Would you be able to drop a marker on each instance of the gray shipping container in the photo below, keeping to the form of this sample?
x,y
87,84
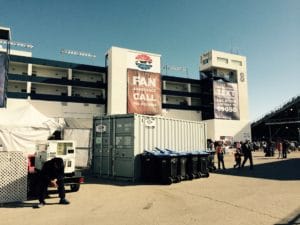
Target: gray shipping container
x,y
118,141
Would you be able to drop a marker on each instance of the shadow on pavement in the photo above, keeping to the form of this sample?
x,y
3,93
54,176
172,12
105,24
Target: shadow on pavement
x,y
90,179
293,219
287,169
16,205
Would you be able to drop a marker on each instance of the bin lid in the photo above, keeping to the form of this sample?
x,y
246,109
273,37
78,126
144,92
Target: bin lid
x,y
194,153
184,153
176,153
203,152
155,153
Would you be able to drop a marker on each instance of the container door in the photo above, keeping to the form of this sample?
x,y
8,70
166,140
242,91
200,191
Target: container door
x,y
102,155
123,147
124,167
102,166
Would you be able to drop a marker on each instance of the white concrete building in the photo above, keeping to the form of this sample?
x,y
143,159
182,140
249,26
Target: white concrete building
x,y
228,116
130,81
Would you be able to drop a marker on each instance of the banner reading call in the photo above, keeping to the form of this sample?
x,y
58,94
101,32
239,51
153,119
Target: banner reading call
x,y
143,92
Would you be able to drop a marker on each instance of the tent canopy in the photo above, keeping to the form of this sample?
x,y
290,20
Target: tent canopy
x,y
23,127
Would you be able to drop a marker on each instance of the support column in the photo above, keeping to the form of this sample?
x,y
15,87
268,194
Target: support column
x,y
29,72
70,76
189,99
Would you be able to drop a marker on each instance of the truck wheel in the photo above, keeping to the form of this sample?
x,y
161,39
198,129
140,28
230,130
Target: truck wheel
x,y
75,187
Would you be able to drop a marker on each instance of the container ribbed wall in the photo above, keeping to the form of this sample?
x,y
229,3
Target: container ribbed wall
x,y
162,132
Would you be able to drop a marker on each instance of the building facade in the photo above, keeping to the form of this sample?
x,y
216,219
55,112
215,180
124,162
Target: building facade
x,y
225,95
131,81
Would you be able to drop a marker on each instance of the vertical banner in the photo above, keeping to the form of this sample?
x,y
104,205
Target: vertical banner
x,y
226,101
3,65
144,92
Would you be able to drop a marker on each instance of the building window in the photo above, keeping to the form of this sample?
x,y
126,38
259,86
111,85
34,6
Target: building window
x,y
222,60
204,61
236,62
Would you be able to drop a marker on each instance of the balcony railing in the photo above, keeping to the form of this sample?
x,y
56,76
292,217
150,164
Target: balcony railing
x,y
21,95
182,106
64,98
57,64
56,81
181,93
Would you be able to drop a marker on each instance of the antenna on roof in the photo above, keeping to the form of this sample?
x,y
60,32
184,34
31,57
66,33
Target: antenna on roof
x,y
233,50
16,43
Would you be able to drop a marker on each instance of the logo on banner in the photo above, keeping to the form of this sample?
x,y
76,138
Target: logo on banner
x,y
143,61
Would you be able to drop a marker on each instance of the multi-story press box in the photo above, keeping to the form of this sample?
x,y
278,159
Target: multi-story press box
x,y
120,139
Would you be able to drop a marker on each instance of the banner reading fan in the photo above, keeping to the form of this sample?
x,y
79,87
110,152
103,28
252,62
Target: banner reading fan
x,y
144,92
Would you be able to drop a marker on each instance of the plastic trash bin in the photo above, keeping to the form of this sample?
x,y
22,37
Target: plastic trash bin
x,y
160,166
148,167
182,164
203,165
193,165
167,167
211,160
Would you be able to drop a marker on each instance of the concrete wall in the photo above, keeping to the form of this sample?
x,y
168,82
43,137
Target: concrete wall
x,y
119,60
182,114
61,110
239,130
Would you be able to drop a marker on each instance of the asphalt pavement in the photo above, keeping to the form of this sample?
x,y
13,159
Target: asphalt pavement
x,y
267,195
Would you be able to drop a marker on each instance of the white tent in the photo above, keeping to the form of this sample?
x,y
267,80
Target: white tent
x,y
22,127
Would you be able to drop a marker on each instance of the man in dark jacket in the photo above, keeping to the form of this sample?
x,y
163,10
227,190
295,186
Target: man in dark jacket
x,y
52,174
247,151
285,147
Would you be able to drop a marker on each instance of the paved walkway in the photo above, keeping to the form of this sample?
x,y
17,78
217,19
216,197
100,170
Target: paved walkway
x,y
268,195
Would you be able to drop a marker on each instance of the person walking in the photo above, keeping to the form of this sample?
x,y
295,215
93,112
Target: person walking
x,y
247,151
52,174
220,155
237,158
285,147
279,148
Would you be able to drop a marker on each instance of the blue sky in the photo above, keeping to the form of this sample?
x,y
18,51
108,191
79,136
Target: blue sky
x,y
267,32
